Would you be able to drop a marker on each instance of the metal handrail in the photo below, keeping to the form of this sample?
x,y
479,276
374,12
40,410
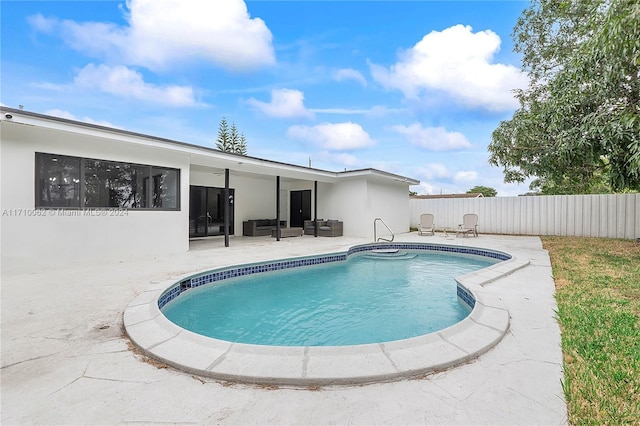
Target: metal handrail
x,y
375,239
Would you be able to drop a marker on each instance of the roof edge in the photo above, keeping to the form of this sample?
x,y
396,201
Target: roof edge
x,y
8,112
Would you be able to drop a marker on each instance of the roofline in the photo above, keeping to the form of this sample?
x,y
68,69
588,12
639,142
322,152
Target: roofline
x,y
396,177
347,173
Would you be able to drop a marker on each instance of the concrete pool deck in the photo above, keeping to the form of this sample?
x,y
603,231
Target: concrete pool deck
x,y
65,359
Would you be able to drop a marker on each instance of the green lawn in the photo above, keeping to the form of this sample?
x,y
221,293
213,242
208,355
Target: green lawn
x,y
598,294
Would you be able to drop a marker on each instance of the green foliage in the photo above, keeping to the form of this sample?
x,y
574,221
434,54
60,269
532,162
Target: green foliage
x,y
234,138
242,145
484,190
230,140
223,143
578,126
598,294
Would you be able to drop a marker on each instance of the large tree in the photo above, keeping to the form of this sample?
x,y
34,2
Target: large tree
x,y
578,126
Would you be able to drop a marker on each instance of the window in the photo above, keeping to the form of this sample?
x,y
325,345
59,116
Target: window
x,y
57,181
165,188
72,182
111,184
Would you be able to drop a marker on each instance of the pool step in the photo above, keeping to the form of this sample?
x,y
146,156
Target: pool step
x,y
385,251
390,254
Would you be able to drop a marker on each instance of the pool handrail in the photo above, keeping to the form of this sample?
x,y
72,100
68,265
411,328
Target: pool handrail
x,y
375,239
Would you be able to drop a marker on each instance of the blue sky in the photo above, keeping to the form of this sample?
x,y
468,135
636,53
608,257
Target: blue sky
x,y
409,87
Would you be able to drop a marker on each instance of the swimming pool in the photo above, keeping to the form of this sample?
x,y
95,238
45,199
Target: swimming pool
x,y
155,336
370,297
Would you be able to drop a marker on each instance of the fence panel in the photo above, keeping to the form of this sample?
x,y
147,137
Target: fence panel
x,y
607,215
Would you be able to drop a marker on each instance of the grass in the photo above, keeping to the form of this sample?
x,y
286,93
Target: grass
x,y
598,295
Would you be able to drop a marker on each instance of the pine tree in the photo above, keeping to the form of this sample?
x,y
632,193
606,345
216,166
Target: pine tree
x,y
223,142
230,140
234,139
242,146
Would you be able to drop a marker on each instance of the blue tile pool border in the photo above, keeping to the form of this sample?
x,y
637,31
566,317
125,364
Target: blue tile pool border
x,y
220,274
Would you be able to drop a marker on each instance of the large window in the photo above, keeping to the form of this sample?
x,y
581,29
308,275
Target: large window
x,y
72,182
57,181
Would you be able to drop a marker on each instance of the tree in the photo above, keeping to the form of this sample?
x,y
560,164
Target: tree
x,y
234,138
578,126
223,143
484,190
229,139
242,146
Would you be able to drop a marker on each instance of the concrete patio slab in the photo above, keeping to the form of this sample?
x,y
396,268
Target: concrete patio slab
x,y
65,359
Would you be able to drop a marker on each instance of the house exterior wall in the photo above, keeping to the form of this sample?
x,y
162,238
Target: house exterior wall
x,y
344,201
358,201
390,202
40,238
55,238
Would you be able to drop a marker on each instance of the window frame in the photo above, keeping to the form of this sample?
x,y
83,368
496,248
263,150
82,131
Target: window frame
x,y
148,196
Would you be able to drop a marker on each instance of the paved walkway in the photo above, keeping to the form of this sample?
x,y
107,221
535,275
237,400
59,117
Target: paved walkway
x,y
65,360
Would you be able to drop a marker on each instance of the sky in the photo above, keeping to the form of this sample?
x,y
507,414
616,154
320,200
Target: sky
x,y
409,87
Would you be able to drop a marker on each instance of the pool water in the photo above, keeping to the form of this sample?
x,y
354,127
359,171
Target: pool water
x,y
366,299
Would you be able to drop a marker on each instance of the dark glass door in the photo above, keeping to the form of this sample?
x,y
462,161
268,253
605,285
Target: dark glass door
x,y
300,207
206,211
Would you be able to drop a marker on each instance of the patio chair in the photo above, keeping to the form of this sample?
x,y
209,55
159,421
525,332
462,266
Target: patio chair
x,y
469,225
426,224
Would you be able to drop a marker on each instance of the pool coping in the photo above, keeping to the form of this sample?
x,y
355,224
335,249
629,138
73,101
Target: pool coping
x,y
157,337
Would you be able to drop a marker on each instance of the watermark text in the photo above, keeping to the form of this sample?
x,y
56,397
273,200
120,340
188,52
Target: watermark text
x,y
87,212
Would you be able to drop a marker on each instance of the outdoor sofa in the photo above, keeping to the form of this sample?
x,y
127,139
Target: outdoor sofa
x,y
260,227
326,228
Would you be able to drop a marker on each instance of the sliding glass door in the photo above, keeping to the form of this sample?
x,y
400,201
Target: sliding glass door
x,y
206,211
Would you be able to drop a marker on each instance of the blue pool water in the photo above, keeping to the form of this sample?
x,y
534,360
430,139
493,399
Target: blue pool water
x,y
366,299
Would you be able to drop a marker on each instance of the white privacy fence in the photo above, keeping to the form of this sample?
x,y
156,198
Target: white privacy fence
x,y
611,215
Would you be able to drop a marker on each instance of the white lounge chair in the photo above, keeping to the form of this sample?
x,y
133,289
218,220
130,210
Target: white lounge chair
x,y
469,225
426,224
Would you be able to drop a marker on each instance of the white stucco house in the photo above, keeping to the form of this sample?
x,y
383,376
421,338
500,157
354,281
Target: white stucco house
x,y
73,191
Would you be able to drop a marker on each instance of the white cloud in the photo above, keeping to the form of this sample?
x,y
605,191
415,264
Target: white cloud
x,y
335,137
66,114
284,103
433,138
162,33
124,82
375,111
42,24
350,74
339,111
465,176
382,111
423,188
458,62
433,171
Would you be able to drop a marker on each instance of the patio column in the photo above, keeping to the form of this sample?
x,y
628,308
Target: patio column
x,y
315,208
277,208
227,202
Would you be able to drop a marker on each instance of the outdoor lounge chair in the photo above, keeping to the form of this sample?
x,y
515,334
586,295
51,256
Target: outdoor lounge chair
x,y
469,225
426,224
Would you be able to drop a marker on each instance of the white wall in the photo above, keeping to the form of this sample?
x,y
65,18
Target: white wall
x,y
390,202
606,215
30,241
343,201
358,201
